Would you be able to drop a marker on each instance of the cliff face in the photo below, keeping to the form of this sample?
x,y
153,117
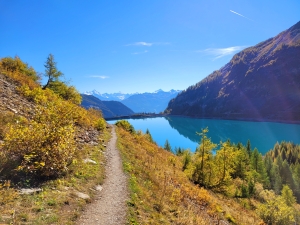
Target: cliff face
x,y
260,82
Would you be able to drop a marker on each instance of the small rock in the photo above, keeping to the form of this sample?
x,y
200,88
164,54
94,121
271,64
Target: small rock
x,y
99,188
28,191
82,195
89,161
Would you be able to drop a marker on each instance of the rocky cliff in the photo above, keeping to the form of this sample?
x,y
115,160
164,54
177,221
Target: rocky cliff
x,y
259,83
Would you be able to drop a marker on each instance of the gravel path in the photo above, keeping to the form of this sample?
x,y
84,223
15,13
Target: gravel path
x,y
109,207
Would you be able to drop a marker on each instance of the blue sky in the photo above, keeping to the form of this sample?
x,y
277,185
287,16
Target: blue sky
x,y
138,46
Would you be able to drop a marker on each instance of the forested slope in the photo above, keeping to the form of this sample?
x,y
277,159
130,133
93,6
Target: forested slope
x,y
220,184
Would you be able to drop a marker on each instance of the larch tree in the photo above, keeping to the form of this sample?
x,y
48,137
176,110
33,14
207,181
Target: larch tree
x,y
56,85
202,171
51,71
288,195
248,147
224,161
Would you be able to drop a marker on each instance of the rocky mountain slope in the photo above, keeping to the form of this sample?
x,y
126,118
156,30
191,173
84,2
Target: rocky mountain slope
x,y
108,108
259,83
11,101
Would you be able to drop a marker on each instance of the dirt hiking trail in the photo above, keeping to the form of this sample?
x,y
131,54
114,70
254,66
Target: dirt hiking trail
x,y
109,207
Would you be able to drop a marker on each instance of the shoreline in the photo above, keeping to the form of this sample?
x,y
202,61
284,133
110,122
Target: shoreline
x,y
153,115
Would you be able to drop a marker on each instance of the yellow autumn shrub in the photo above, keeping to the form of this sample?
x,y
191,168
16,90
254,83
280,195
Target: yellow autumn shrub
x,y
77,114
40,148
46,145
19,71
7,194
100,124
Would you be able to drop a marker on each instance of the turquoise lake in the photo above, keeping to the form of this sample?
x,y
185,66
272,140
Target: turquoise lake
x,y
181,131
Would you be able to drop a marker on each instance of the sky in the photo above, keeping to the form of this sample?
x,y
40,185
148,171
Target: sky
x,y
138,45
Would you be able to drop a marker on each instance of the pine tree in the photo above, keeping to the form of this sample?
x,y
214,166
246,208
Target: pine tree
x,y
254,159
239,145
276,181
149,136
248,147
259,167
241,162
167,146
287,176
268,164
186,159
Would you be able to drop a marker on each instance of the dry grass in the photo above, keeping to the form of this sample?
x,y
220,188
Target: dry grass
x,y
162,194
56,203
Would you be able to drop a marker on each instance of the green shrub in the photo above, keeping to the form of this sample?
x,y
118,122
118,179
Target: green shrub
x,y
66,92
125,125
101,124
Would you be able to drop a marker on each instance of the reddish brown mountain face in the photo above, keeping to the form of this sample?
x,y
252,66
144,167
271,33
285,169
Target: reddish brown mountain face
x,y
259,83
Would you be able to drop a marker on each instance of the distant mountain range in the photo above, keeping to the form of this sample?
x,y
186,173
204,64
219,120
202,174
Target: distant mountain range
x,y
155,102
109,97
108,108
150,102
259,83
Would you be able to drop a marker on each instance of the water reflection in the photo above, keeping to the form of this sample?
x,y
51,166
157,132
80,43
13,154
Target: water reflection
x,y
263,135
181,131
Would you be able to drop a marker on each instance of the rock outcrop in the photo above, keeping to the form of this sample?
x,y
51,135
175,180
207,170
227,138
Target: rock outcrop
x,y
11,100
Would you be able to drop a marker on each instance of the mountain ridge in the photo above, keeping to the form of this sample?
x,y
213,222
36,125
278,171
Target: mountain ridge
x,y
150,102
259,83
108,108
147,102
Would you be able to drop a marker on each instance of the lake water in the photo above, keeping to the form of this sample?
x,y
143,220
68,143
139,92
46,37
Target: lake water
x,y
181,131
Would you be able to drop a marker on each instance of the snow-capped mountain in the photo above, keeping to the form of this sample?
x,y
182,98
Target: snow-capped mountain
x,y
150,102
154,102
108,97
108,108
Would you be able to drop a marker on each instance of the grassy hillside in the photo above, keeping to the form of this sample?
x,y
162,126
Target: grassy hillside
x,y
45,139
161,192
